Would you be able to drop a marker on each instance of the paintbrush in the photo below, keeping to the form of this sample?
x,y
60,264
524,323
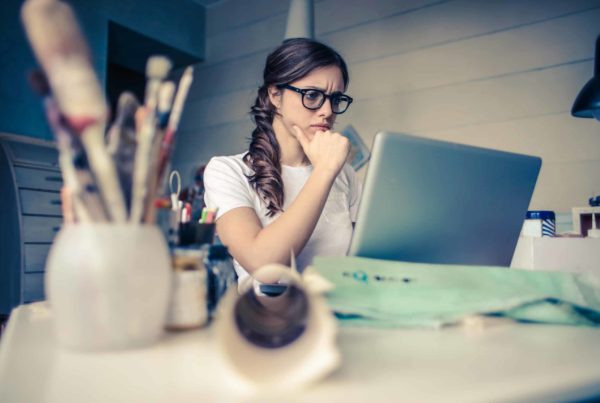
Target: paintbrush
x,y
60,48
174,117
157,69
165,99
77,176
165,102
122,142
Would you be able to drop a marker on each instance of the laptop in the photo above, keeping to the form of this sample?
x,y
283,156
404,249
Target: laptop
x,y
432,201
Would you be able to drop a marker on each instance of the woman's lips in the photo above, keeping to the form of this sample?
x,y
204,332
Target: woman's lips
x,y
320,127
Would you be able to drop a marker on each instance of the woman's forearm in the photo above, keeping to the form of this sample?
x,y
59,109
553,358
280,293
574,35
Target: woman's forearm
x,y
293,228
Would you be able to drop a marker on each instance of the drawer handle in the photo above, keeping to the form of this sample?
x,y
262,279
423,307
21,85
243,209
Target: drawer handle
x,y
55,229
55,202
54,178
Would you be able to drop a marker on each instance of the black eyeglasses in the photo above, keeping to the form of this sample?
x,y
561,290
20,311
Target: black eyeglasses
x,y
313,99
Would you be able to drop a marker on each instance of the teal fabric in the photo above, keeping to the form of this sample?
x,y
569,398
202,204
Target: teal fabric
x,y
370,292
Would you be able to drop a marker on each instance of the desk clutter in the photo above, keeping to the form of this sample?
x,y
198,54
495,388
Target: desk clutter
x,y
378,293
113,176
116,280
561,242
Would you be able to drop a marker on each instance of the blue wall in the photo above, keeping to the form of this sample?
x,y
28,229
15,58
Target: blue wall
x,y
178,24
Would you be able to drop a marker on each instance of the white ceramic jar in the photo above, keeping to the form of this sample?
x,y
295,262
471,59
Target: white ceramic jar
x,y
108,285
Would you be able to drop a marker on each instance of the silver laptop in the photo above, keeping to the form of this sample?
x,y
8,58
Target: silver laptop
x,y
437,202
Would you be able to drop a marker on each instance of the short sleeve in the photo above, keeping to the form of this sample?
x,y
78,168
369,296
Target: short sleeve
x,y
226,186
355,190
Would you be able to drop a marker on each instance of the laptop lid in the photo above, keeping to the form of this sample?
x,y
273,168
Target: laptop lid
x,y
431,201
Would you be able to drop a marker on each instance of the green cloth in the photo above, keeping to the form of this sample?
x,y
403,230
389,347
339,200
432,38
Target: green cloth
x,y
380,293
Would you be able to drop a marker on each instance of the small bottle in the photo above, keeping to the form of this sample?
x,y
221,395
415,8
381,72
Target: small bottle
x,y
540,224
221,275
188,307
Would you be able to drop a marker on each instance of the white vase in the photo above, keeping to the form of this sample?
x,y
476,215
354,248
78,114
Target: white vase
x,y
108,285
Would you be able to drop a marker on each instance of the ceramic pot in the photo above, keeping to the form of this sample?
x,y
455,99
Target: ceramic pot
x,y
108,285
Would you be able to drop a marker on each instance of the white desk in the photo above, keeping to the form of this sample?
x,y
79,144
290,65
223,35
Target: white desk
x,y
503,362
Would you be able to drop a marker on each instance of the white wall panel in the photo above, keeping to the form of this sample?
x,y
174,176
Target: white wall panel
x,y
446,23
225,139
339,15
561,186
557,137
495,73
238,42
218,109
525,48
237,14
228,76
477,102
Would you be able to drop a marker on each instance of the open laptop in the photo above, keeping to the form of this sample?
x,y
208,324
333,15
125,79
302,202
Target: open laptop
x,y
437,202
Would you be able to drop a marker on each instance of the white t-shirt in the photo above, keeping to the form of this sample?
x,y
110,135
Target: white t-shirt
x,y
227,187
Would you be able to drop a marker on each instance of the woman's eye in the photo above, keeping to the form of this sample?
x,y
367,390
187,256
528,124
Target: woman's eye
x,y
312,95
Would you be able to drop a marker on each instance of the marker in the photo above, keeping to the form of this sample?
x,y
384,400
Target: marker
x,y
203,215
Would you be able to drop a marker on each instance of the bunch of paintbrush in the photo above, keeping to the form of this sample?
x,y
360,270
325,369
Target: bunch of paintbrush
x,y
117,181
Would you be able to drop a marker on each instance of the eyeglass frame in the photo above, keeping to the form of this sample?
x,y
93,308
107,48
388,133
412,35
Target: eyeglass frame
x,y
303,91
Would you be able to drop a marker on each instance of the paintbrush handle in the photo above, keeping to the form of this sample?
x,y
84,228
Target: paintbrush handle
x,y
63,53
78,179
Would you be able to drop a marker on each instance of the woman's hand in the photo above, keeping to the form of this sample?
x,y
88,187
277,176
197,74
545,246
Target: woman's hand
x,y
327,151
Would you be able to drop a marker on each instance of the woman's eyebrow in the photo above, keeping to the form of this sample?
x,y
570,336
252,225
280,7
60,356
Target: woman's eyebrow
x,y
314,87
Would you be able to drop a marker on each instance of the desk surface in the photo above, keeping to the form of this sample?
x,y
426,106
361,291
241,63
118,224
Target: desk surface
x,y
501,362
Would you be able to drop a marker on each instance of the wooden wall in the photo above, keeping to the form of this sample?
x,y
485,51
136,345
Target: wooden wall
x,y
495,73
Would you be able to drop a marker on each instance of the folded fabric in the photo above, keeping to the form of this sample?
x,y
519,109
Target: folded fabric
x,y
381,293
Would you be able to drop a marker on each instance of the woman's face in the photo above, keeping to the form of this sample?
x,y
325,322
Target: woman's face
x,y
289,105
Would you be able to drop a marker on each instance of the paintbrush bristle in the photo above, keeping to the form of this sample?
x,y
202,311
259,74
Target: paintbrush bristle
x,y
158,67
188,72
127,104
38,82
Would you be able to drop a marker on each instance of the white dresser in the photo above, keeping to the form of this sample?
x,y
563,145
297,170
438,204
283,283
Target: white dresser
x,y
30,216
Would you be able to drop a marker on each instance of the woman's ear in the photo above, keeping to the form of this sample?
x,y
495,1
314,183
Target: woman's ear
x,y
275,96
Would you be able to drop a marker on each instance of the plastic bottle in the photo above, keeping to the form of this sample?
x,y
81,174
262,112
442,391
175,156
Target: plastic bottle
x,y
221,275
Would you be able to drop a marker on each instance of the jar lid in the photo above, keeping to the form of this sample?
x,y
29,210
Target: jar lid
x,y
193,251
541,215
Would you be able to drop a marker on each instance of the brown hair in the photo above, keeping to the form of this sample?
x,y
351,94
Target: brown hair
x,y
291,61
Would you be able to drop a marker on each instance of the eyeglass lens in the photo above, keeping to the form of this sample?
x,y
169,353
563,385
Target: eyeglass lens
x,y
314,99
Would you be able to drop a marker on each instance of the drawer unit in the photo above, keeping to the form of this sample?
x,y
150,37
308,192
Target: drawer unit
x,y
28,152
40,229
35,257
33,287
41,179
30,217
40,202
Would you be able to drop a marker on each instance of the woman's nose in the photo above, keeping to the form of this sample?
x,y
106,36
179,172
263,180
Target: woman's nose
x,y
326,109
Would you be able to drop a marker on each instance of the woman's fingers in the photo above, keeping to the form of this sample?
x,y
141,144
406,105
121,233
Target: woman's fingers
x,y
326,150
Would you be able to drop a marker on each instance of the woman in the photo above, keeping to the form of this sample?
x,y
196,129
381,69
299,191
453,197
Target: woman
x,y
291,191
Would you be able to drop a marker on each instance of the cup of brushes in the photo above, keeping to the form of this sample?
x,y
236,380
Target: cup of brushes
x,y
108,272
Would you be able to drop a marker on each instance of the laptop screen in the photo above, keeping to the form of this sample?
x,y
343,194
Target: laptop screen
x,y
431,201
